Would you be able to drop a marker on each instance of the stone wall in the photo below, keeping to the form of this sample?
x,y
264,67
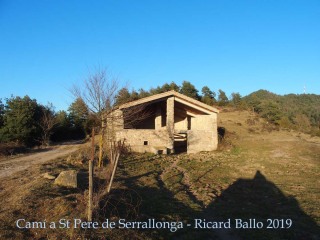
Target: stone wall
x,y
180,123
203,135
158,118
202,140
204,122
144,140
170,122
113,123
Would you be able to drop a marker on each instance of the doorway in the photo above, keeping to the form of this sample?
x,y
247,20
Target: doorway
x,y
180,142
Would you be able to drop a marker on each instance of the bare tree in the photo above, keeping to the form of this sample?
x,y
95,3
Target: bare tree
x,y
99,93
47,123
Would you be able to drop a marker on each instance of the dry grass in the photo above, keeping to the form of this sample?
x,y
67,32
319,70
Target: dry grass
x,y
28,195
258,172
261,173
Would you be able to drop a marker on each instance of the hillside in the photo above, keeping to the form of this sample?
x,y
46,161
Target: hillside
x,y
295,111
260,172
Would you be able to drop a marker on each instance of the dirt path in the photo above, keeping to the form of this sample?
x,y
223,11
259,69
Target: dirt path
x,y
13,165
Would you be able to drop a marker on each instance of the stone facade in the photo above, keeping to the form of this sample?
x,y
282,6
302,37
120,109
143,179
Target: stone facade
x,y
145,140
170,123
203,135
176,123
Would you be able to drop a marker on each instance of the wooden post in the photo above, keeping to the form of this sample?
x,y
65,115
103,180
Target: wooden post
x,y
90,204
117,150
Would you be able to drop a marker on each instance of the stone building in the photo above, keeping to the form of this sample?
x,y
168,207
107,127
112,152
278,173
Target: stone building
x,y
172,122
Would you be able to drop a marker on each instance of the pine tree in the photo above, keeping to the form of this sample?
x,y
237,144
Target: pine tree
x,y
189,90
20,118
123,96
174,86
1,113
208,96
78,118
142,93
78,113
235,99
222,98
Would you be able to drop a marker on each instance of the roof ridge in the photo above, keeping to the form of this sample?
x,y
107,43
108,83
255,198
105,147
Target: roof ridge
x,y
167,94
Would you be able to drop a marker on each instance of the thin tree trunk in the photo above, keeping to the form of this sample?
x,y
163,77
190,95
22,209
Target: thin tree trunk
x,y
100,151
101,143
90,203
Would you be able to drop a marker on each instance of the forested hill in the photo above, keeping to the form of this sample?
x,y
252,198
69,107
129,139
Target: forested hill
x,y
24,121
299,111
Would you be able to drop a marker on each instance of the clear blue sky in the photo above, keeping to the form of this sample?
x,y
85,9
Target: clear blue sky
x,y
236,46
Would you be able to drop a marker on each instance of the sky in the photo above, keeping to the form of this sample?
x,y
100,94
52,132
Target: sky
x,y
238,46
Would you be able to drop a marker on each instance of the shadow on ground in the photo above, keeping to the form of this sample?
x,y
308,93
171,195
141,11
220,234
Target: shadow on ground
x,y
249,200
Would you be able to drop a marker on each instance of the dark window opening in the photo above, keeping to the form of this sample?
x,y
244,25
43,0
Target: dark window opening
x,y
145,142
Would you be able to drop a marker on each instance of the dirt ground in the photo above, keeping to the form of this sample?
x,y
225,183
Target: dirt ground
x,y
11,165
26,194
